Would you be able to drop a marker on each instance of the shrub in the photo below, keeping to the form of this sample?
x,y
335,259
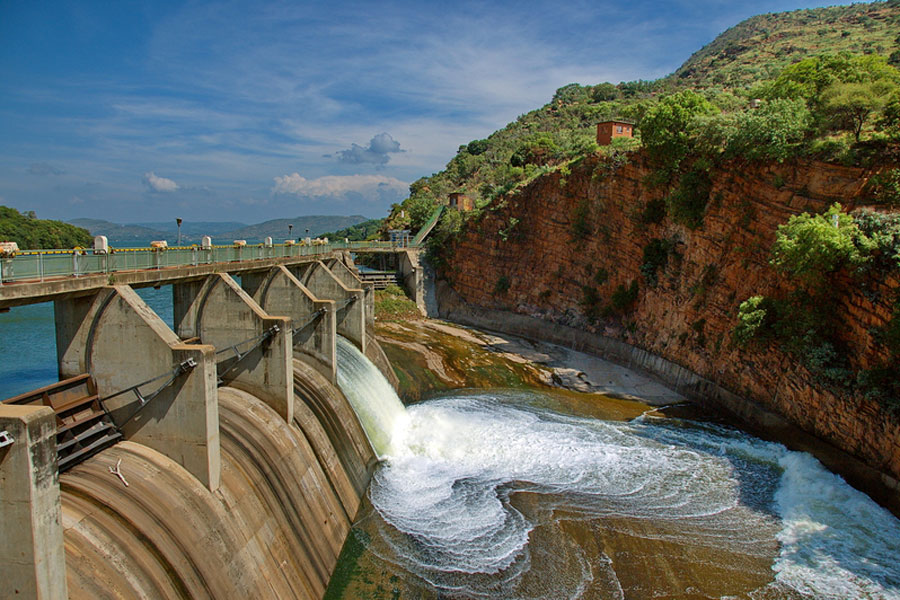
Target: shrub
x,y
688,202
623,298
884,187
755,318
656,256
502,285
665,127
811,247
773,131
654,211
581,227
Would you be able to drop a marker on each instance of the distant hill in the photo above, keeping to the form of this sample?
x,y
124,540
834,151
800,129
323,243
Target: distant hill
x,y
759,47
31,233
194,229
277,229
114,231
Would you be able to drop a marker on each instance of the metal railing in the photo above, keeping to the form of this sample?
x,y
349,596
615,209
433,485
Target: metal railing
x,y
41,265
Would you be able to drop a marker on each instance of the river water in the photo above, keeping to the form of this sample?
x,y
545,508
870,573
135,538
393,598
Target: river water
x,y
511,494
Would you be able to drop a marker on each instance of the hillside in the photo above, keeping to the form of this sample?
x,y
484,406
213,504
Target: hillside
x,y
114,231
738,66
32,233
278,229
761,46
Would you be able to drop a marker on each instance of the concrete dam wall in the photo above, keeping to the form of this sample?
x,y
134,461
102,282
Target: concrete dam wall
x,y
273,529
218,459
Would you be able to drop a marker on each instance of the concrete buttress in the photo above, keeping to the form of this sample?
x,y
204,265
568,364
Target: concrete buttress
x,y
279,292
122,343
32,558
351,310
254,349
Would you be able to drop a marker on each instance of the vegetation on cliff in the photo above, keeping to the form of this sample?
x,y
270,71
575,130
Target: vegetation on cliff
x,y
820,253
791,88
818,82
29,232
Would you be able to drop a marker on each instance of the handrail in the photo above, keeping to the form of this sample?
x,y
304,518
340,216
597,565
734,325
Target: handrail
x,y
42,265
428,226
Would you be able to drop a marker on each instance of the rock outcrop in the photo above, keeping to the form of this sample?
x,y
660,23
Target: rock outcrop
x,y
560,248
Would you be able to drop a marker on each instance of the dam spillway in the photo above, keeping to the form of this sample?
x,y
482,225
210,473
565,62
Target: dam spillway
x,y
242,464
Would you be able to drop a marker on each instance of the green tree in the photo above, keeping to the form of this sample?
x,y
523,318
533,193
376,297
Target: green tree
x,y
812,247
665,127
773,131
849,105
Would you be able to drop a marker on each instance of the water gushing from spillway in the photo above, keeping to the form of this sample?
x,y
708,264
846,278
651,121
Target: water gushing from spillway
x,y
489,495
482,496
373,399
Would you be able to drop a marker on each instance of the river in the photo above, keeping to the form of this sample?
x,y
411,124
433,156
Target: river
x,y
535,492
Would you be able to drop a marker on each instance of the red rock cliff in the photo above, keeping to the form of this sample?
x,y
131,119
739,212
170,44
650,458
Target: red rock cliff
x,y
521,257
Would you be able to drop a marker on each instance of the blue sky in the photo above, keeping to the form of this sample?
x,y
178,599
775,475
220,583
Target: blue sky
x,y
248,111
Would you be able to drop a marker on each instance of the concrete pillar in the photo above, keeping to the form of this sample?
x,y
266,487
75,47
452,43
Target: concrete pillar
x,y
281,293
350,303
184,295
32,557
413,276
225,316
351,280
121,342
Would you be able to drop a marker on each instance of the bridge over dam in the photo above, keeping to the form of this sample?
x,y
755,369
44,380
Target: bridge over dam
x,y
218,458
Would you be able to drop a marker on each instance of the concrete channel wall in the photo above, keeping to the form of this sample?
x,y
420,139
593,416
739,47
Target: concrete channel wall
x,y
240,478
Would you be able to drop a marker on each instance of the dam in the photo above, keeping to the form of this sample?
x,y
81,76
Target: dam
x,y
477,493
216,459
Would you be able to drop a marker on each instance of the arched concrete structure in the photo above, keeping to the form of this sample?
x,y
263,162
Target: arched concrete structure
x,y
239,478
278,291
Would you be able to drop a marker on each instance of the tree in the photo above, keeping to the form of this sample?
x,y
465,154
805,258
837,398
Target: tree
x,y
665,127
772,131
812,247
849,105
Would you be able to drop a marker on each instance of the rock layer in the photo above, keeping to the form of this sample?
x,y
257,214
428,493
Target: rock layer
x,y
540,251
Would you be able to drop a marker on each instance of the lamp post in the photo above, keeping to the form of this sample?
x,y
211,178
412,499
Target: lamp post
x,y
290,229
178,222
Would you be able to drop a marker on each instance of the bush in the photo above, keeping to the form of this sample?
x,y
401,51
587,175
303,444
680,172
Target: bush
x,y
688,202
656,256
502,285
773,131
623,298
755,318
654,211
811,247
884,188
665,127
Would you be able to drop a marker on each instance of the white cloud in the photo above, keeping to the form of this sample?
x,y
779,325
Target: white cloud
x,y
159,184
376,153
370,187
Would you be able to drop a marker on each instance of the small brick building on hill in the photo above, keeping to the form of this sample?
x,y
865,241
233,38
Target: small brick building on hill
x,y
607,130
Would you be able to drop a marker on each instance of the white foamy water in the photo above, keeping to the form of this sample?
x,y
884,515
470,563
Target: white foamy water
x,y
447,496
373,399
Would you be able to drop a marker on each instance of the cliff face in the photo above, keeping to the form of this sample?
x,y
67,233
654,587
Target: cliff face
x,y
560,248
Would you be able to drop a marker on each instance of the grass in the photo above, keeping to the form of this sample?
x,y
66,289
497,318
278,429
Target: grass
x,y
392,304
